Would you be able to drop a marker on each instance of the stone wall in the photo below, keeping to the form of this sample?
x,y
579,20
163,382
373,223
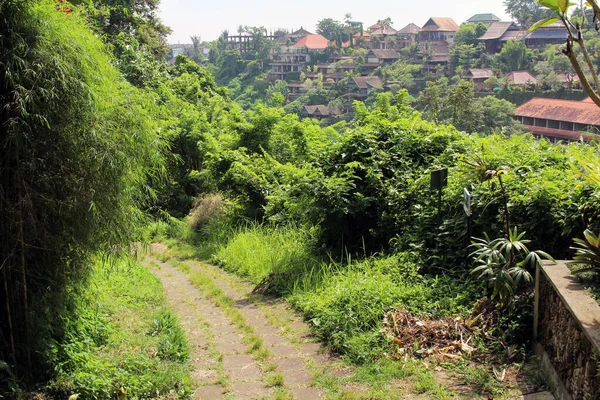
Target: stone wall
x,y
568,332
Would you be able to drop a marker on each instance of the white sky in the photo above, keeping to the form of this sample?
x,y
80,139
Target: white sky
x,y
208,18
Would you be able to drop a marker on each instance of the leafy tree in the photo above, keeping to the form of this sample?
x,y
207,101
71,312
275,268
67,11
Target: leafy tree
x,y
466,56
330,28
465,110
432,99
576,49
134,18
514,56
196,43
496,114
526,12
468,34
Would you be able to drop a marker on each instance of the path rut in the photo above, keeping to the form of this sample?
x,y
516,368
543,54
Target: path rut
x,y
224,362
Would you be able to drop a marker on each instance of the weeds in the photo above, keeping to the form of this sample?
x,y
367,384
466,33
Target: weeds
x,y
122,323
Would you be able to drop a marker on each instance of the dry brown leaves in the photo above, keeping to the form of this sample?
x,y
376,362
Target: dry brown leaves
x,y
448,337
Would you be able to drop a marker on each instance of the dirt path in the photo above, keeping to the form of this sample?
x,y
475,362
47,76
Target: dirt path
x,y
244,346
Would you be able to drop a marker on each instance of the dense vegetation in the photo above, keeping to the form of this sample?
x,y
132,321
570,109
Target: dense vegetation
x,y
341,218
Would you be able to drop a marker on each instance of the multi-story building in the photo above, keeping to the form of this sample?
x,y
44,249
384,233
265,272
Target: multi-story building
x,y
293,59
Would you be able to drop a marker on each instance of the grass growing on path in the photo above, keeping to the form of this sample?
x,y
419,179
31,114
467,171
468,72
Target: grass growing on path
x,y
124,339
345,304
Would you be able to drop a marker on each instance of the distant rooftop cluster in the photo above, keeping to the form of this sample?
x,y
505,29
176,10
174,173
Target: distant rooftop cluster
x,y
303,57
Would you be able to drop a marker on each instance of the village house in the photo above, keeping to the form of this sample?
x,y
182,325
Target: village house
x,y
437,35
382,33
545,35
564,120
290,59
319,111
520,78
499,33
486,19
382,56
408,35
379,57
296,89
294,37
293,59
478,76
364,85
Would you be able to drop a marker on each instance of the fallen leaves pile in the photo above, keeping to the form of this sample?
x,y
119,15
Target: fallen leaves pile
x,y
448,337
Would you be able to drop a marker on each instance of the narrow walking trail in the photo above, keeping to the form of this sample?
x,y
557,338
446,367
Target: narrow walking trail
x,y
243,346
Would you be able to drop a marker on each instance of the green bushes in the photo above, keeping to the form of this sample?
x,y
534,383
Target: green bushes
x,y
347,308
77,147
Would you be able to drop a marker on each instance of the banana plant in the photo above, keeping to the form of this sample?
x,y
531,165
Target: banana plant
x,y
505,262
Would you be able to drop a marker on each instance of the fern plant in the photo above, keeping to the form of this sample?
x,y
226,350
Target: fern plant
x,y
503,262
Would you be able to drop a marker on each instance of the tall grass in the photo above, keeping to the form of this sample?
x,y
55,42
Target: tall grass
x,y
124,339
344,302
285,254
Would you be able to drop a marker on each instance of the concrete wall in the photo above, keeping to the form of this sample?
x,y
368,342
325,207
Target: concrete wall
x,y
567,332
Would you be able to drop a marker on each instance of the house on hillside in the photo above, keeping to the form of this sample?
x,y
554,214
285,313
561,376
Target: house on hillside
x,y
313,43
293,59
289,60
364,85
486,19
382,33
545,35
564,120
294,37
439,34
520,78
499,33
382,56
408,35
319,111
379,57
478,76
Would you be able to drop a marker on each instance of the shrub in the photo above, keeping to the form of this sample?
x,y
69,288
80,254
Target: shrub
x,y
76,149
205,209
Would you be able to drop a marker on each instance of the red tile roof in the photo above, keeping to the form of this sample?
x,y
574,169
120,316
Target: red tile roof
x,y
313,42
579,112
440,24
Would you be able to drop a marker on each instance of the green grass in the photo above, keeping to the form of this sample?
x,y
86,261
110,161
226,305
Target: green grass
x,y
344,304
123,337
255,344
258,251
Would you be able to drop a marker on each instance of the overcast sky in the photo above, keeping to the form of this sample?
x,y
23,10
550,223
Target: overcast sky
x,y
209,18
